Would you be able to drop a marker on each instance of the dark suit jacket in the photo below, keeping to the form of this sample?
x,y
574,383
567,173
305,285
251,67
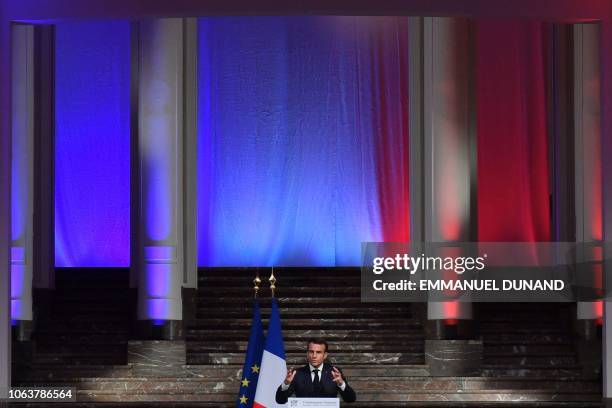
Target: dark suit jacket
x,y
301,386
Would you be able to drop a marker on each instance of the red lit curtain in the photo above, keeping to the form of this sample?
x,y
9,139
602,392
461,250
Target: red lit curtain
x,y
513,172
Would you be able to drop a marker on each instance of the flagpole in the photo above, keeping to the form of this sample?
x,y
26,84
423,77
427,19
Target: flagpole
x,y
273,360
254,354
272,281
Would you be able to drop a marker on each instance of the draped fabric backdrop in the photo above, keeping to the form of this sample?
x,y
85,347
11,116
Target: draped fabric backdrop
x,y
303,139
92,156
513,172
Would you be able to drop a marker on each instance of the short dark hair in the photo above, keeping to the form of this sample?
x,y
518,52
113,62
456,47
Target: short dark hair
x,y
317,340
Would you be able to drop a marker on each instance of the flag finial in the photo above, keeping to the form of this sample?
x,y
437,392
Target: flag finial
x,y
272,281
256,283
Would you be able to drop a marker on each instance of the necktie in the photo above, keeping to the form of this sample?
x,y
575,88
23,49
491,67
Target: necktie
x,y
316,382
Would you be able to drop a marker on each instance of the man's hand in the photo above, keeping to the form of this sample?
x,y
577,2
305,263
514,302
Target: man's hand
x,y
290,374
337,377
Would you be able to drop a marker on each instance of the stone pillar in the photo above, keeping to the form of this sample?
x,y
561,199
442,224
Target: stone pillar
x,y
44,159
5,209
588,153
163,166
32,181
606,142
607,344
442,140
22,165
561,134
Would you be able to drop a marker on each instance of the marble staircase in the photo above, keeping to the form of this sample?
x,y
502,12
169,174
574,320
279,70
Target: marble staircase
x,y
314,303
529,360
528,340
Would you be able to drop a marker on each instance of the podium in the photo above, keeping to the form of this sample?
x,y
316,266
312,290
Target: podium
x,y
313,403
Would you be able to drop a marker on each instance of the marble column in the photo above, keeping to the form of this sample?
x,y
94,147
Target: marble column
x,y
44,160
606,141
442,140
607,344
165,249
5,205
22,166
588,153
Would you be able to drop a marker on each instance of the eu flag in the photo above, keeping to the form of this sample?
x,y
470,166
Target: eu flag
x,y
252,362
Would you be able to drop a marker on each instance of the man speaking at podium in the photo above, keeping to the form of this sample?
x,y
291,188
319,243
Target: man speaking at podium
x,y
315,380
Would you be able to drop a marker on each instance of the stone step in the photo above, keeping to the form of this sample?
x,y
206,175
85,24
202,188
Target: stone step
x,y
513,396
94,312
60,305
298,358
526,338
46,372
109,283
219,372
75,301
92,339
289,334
492,350
307,323
496,307
561,373
279,272
80,317
524,327
294,291
90,295
63,327
461,404
216,348
288,302
93,284
289,312
247,281
518,317
109,348
532,361
300,346
369,404
172,384
66,359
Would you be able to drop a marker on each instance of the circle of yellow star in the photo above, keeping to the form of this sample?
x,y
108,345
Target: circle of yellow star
x,y
255,369
243,400
245,383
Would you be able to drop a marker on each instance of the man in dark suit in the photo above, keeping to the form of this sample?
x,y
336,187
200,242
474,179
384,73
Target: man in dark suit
x,y
315,380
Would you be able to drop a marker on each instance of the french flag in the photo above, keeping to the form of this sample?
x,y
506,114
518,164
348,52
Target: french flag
x,y
273,365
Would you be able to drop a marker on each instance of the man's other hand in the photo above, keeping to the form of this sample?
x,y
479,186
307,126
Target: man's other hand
x,y
290,374
337,377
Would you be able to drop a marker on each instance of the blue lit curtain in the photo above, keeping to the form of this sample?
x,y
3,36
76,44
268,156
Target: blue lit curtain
x,y
92,157
303,141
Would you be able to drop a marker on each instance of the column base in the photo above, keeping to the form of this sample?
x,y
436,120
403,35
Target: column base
x,y
588,346
22,354
450,358
587,329
162,330
450,329
22,330
190,303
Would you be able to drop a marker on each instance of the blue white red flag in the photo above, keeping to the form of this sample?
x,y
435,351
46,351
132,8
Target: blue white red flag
x,y
273,364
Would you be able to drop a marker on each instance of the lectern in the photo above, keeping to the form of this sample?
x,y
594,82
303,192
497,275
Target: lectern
x,y
313,403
